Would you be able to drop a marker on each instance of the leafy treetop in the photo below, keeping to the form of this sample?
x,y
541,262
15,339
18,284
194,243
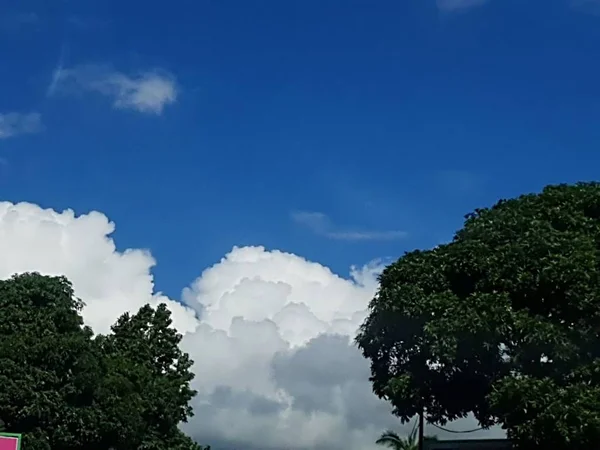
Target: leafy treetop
x,y
65,389
503,322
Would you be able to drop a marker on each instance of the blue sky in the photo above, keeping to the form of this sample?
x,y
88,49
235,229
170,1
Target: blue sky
x,y
339,130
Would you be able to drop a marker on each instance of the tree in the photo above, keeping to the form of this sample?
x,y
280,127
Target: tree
x,y
503,322
65,389
392,440
48,364
148,388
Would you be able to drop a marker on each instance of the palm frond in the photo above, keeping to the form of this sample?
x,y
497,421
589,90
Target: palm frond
x,y
390,439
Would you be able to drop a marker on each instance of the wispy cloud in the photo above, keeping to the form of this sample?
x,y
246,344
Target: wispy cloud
x,y
86,23
15,21
457,5
58,71
459,181
13,124
146,92
586,6
319,223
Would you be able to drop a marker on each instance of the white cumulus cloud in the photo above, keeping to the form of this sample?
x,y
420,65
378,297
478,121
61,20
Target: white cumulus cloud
x,y
13,124
147,92
52,243
270,332
275,365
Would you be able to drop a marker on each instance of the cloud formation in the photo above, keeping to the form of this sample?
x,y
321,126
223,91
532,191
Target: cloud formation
x,y
456,5
13,124
586,6
15,21
146,92
55,243
319,223
454,181
270,332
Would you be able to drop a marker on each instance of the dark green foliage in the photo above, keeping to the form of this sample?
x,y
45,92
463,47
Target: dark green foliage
x,y
147,388
503,322
48,363
66,390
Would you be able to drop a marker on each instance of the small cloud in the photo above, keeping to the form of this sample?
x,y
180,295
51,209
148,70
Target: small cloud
x,y
457,5
13,124
322,225
11,22
586,6
368,235
86,23
146,92
459,181
57,73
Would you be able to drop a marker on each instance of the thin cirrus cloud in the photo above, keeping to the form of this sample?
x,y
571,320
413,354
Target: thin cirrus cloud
x,y
14,124
16,21
147,92
320,224
457,5
456,181
586,6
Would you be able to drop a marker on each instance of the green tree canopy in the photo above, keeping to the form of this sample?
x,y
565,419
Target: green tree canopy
x,y
65,389
147,387
503,322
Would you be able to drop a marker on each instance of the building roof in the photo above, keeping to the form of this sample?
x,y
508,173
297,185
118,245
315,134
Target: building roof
x,y
468,444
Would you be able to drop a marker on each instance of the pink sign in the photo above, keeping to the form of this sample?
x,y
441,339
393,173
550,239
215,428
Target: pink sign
x,y
9,441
